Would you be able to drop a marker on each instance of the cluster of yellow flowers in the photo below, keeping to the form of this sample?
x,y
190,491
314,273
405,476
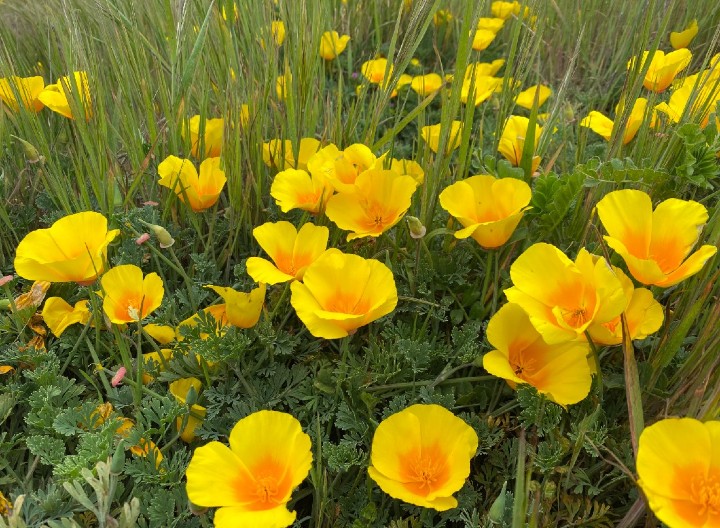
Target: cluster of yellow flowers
x,y
31,94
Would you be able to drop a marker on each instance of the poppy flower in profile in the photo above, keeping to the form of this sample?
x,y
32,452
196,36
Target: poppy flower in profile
x,y
179,389
291,251
408,167
682,39
209,142
678,465
431,134
341,292
332,44
282,155
488,208
73,249
277,29
241,309
252,480
374,70
60,97
560,371
603,126
655,245
424,85
512,141
482,39
22,91
128,296
663,68
421,455
378,202
296,189
199,191
491,24
479,88
58,314
526,98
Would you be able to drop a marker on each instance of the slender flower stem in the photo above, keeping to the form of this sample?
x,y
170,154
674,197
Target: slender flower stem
x,y
596,360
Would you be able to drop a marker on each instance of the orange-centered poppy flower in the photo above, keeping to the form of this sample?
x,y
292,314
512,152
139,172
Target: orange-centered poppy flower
x,y
61,97
512,141
663,68
489,209
198,191
655,245
296,189
560,371
678,465
252,480
421,455
128,296
342,167
561,297
241,309
341,293
374,70
291,251
424,85
22,91
209,145
73,249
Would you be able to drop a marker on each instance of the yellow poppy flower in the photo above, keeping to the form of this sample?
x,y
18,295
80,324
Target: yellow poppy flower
x,y
702,89
380,200
342,168
332,44
663,68
282,84
483,69
59,97
561,297
682,39
678,465
73,249
409,167
198,191
526,98
296,189
489,209
291,251
560,371
431,134
128,296
154,360
421,455
144,447
58,314
491,24
163,334
277,28
179,389
252,481
512,141
241,309
281,154
25,91
482,39
374,70
341,293
424,85
212,137
483,88
655,245
504,10
603,126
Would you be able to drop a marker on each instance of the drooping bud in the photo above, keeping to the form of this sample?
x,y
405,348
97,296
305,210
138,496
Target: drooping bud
x,y
161,233
417,230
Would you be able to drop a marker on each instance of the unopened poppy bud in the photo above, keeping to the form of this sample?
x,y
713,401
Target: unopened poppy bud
x,y
118,459
162,235
118,377
191,396
142,239
417,230
496,513
7,278
31,153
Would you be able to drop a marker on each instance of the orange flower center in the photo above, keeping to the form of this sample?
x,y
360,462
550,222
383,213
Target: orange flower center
x,y
576,317
131,307
346,304
267,487
424,471
705,492
523,365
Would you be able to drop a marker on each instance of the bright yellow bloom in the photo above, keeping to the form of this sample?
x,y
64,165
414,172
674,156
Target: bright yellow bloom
x,y
663,68
296,189
282,83
60,97
603,125
703,89
253,479
421,455
341,293
431,134
482,39
489,209
526,98
198,191
332,44
561,297
179,389
512,141
212,138
560,371
678,465
104,413
291,251
491,24
163,334
17,91
484,87
73,249
483,69
241,309
342,168
281,154
58,314
655,244
424,85
128,296
277,28
379,201
504,10
682,39
374,70
644,315
409,167
154,362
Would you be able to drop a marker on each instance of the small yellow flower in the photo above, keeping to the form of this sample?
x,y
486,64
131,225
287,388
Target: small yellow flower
x,y
678,465
421,455
199,191
73,249
341,293
283,84
332,44
663,68
482,89
342,168
154,360
22,91
60,97
163,334
409,167
512,141
526,98
431,134
241,309
604,126
58,314
277,28
683,38
483,69
179,389
505,10
291,251
491,24
296,189
281,154
128,296
482,39
655,245
424,85
489,209
374,70
252,481
560,371
210,145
